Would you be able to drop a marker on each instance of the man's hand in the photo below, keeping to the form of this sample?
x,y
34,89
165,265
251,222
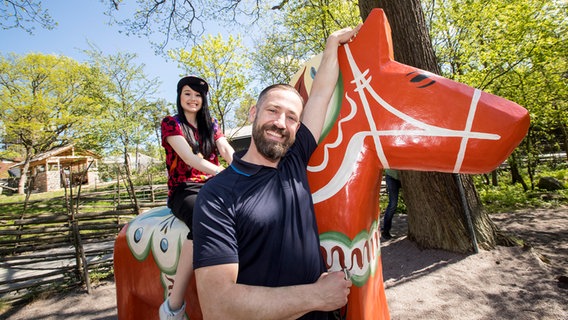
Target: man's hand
x,y
325,80
344,35
333,290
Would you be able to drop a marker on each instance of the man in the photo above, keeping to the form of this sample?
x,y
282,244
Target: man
x,y
256,244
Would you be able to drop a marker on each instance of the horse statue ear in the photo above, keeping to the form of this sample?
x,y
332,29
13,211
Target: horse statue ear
x,y
377,30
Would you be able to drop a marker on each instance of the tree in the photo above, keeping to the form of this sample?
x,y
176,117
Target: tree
x,y
125,94
45,102
224,64
24,14
275,61
183,21
296,30
436,202
242,113
155,114
299,31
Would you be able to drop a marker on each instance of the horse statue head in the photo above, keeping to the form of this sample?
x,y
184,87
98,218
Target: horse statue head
x,y
385,114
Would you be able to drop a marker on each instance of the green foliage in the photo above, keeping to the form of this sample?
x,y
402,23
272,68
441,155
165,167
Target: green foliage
x,y
242,112
129,115
10,153
508,197
44,101
99,274
311,22
560,174
225,66
298,32
514,49
400,207
276,60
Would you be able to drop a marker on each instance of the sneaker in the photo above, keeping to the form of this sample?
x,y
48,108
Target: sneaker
x,y
167,314
386,235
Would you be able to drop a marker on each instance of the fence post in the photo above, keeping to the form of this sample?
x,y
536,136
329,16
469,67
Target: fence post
x,y
80,258
117,186
82,265
152,194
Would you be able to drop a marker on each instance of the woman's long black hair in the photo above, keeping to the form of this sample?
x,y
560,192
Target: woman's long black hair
x,y
204,125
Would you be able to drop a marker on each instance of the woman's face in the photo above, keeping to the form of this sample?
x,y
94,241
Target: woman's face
x,y
190,100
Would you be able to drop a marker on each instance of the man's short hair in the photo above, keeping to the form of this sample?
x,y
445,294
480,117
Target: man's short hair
x,y
278,86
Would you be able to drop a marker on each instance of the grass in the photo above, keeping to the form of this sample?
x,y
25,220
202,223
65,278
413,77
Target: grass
x,y
39,203
501,198
98,275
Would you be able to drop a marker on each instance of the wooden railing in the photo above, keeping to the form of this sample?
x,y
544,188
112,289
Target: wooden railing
x,y
57,250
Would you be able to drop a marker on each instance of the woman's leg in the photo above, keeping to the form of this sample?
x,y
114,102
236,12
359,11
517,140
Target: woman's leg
x,y
184,273
182,207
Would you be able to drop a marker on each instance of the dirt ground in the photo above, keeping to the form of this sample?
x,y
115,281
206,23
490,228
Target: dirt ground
x,y
506,283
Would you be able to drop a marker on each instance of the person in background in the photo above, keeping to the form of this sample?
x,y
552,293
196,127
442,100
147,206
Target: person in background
x,y
257,250
192,141
393,188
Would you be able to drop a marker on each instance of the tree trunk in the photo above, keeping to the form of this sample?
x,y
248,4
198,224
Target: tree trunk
x,y
437,216
564,131
491,178
516,176
24,172
131,189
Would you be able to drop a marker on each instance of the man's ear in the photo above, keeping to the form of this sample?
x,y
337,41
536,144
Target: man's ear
x,y
252,113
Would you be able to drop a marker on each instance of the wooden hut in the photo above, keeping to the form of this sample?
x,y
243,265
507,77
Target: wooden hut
x,y
54,169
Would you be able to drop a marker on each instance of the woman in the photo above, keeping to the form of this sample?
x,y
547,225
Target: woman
x,y
191,140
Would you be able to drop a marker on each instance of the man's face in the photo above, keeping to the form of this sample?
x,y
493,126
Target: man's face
x,y
276,122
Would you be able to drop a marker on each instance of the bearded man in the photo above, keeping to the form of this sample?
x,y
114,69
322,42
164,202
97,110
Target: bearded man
x,y
256,242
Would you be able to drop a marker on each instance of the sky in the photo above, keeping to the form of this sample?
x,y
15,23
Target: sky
x,y
81,22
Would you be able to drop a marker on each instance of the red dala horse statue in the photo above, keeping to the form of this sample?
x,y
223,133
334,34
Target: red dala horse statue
x,y
383,115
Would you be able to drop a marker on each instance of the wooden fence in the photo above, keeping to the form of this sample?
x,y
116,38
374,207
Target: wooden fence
x,y
59,249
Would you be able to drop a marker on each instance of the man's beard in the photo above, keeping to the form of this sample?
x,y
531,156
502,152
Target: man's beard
x,y
271,150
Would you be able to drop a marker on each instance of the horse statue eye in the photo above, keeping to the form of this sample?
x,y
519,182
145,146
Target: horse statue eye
x,y
421,78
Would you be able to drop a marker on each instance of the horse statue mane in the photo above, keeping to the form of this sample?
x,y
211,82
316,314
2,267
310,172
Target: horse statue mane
x,y
383,114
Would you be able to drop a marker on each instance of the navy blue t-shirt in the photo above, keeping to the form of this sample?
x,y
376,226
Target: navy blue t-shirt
x,y
263,219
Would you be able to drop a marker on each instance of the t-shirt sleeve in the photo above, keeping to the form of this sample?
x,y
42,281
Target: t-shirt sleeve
x,y
305,143
170,127
215,240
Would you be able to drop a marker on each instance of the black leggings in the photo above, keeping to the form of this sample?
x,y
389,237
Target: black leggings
x,y
182,202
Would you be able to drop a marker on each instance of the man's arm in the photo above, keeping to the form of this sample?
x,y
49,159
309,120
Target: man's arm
x,y
221,297
324,82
